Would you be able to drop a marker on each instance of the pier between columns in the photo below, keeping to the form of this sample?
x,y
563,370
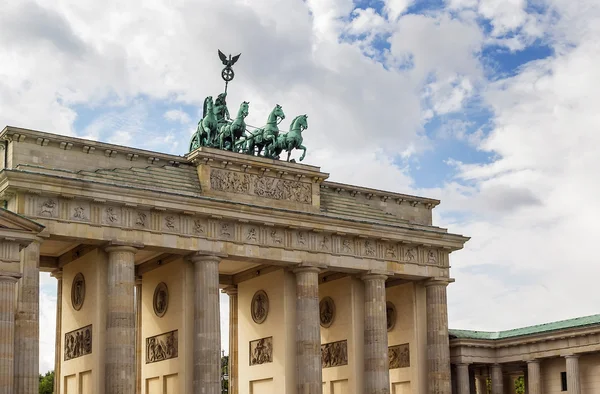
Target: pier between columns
x,y
7,330
232,368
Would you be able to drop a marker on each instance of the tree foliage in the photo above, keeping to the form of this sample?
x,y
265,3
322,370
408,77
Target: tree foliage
x,y
47,383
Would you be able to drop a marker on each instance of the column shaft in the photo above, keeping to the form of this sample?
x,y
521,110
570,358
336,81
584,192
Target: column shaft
x,y
58,339
377,375
120,321
573,380
232,368
7,333
482,384
308,331
497,383
438,346
27,322
138,335
534,381
462,374
207,326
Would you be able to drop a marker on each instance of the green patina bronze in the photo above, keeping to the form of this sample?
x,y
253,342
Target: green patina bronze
x,y
217,130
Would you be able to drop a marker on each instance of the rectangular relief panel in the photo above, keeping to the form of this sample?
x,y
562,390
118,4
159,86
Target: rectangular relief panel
x,y
153,386
71,384
264,386
261,351
162,347
85,382
399,356
334,354
78,343
171,384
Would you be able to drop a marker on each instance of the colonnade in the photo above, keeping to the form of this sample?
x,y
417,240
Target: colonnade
x,y
19,356
504,383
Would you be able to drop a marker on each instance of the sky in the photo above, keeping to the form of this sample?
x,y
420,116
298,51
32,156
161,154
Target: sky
x,y
490,106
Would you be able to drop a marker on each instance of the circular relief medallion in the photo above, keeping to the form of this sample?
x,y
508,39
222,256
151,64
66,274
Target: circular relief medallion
x,y
390,311
260,307
161,299
326,312
78,291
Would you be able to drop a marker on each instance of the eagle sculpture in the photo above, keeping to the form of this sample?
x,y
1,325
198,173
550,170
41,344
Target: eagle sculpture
x,y
228,62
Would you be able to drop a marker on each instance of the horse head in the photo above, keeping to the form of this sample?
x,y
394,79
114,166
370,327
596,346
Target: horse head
x,y
209,102
278,112
299,123
243,112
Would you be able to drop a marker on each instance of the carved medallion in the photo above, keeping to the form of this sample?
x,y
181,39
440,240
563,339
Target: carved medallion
x,y
78,291
399,356
162,347
78,343
334,354
260,307
161,299
390,312
326,312
261,351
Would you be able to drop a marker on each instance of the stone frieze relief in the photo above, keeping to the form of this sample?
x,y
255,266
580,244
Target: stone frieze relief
x,y
399,356
261,351
228,230
261,186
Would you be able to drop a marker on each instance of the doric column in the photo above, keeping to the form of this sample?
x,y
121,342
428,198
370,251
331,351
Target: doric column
x,y
377,375
573,383
438,346
7,331
497,383
138,335
58,341
207,325
232,368
119,373
308,331
534,381
462,375
509,384
27,322
482,382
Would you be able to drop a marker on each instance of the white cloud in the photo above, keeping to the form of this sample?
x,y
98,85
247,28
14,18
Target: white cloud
x,y
395,8
177,115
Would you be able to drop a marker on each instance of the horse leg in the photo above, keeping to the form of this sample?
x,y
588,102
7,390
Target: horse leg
x,y
289,154
303,153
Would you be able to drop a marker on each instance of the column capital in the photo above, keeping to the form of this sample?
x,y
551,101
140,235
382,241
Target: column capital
x,y
440,281
462,364
58,274
533,361
308,267
374,275
123,247
10,277
573,355
230,290
138,280
201,257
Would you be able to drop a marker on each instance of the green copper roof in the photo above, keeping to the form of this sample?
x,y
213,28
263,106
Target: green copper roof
x,y
517,332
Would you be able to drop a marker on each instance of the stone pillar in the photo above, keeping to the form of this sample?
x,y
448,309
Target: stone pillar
x,y
497,384
462,375
138,335
573,381
207,325
308,331
472,382
482,382
120,368
534,379
27,322
7,331
232,368
377,374
509,384
58,338
438,344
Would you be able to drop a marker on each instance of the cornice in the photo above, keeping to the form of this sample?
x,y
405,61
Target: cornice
x,y
383,195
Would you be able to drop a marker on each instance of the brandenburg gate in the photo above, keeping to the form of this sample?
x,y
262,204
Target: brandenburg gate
x,y
333,288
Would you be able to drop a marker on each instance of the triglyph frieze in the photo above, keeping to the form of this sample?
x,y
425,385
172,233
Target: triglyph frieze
x,y
261,186
241,231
